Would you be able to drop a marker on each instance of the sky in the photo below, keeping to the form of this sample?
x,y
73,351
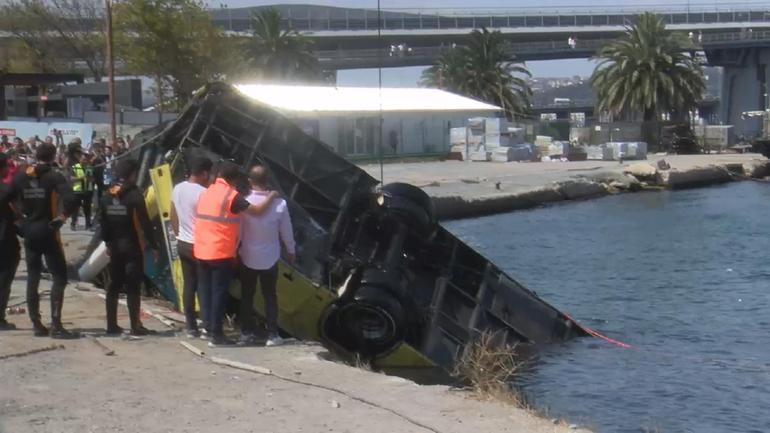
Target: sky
x,y
408,77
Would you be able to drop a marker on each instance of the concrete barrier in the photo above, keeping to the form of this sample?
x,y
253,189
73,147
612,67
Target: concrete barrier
x,y
693,178
581,189
456,207
478,200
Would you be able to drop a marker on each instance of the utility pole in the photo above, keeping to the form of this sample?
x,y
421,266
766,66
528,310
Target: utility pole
x,y
111,73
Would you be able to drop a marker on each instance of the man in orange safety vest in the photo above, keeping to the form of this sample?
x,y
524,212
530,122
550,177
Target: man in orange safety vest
x,y
217,227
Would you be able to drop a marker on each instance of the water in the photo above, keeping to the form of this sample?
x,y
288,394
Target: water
x,y
683,277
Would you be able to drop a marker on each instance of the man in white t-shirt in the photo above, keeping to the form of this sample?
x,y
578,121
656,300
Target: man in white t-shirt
x,y
260,250
184,199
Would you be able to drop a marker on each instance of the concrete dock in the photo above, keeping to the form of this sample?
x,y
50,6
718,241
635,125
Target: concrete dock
x,y
155,385
467,189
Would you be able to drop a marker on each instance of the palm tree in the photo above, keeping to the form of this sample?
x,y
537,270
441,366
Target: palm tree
x,y
483,69
280,55
648,72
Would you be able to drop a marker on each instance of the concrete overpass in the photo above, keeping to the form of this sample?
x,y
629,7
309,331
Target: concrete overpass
x,y
529,51
736,39
347,38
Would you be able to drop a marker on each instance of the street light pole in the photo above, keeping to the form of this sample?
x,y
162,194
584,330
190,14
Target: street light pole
x,y
111,73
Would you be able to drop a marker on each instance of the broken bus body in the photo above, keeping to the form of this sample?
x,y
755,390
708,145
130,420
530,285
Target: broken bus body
x,y
375,273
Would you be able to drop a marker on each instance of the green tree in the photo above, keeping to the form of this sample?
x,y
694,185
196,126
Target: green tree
x,y
280,55
483,69
173,41
58,35
649,71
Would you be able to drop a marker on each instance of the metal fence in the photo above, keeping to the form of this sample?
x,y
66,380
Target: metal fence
x,y
362,19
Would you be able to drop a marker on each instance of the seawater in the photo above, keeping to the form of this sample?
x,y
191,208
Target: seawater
x,y
682,276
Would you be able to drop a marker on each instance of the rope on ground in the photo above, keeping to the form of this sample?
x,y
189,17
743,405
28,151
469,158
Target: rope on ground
x,y
106,350
267,372
32,351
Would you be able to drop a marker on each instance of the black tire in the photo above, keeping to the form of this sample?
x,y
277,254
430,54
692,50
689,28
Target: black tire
x,y
411,205
370,324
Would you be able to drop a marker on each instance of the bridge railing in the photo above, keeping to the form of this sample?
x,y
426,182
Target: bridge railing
x,y
585,47
438,21
746,35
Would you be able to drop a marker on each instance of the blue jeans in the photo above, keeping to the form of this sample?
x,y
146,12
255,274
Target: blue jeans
x,y
214,277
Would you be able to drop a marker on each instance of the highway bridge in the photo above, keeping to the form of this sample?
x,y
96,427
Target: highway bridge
x,y
526,51
347,38
737,39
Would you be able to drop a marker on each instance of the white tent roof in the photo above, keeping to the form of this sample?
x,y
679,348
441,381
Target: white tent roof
x,y
359,99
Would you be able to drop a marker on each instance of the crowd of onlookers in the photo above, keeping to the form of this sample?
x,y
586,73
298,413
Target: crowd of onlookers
x,y
88,166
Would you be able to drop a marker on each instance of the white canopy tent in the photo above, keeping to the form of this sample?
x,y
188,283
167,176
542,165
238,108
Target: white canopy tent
x,y
330,99
414,120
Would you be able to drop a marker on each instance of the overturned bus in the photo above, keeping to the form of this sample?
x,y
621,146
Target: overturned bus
x,y
375,274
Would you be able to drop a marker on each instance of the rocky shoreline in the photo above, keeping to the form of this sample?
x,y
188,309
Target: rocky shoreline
x,y
464,190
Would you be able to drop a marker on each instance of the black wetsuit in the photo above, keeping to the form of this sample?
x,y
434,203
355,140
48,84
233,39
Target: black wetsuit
x,y
9,249
125,227
43,194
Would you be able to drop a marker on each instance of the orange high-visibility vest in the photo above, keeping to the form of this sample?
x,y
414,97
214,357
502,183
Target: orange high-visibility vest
x,y
216,226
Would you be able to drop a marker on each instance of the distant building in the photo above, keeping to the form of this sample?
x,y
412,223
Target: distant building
x,y
38,100
414,120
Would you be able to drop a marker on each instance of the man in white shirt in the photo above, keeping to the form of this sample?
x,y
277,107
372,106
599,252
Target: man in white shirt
x,y
260,250
184,199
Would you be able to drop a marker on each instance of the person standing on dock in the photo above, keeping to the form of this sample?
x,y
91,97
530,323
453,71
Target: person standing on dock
x,y
42,190
184,199
81,187
9,245
217,228
125,229
261,239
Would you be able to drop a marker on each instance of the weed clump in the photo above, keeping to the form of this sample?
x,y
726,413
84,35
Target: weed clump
x,y
489,365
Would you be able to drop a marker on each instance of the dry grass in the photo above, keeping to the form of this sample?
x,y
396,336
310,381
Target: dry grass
x,y
361,363
489,367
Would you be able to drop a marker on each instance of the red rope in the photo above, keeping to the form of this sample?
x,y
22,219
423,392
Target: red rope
x,y
607,339
593,333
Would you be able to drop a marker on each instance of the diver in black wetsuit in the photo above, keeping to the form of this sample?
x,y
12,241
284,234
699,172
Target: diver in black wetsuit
x,y
9,246
125,227
46,201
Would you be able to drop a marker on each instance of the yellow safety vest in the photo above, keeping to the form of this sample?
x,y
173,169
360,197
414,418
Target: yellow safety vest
x,y
79,178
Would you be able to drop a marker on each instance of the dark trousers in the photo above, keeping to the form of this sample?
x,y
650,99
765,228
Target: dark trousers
x,y
190,275
126,273
214,277
50,249
267,279
9,262
84,198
